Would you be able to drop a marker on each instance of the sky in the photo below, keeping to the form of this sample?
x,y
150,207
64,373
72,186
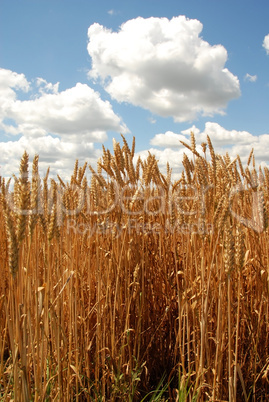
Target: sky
x,y
74,74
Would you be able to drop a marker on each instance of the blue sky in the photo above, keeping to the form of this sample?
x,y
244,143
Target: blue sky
x,y
74,74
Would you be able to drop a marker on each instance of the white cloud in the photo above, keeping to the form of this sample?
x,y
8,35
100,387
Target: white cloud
x,y
222,137
168,140
250,78
193,129
233,141
77,116
174,157
266,43
9,80
60,156
9,83
219,136
75,113
152,120
46,87
164,66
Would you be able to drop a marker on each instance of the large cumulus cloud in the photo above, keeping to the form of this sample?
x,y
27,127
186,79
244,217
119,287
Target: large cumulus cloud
x,y
164,66
78,112
60,126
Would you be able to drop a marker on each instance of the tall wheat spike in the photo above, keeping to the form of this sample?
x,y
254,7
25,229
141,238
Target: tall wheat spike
x,y
13,247
23,198
34,196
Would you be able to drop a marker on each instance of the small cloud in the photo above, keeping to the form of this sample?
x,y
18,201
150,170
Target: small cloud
x,y
266,43
111,12
46,87
152,120
250,78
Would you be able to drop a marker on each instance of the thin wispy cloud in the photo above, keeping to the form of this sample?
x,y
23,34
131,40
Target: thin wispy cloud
x,y
112,12
152,120
250,78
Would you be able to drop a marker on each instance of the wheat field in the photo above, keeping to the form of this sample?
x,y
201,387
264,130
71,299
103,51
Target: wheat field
x,y
123,285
